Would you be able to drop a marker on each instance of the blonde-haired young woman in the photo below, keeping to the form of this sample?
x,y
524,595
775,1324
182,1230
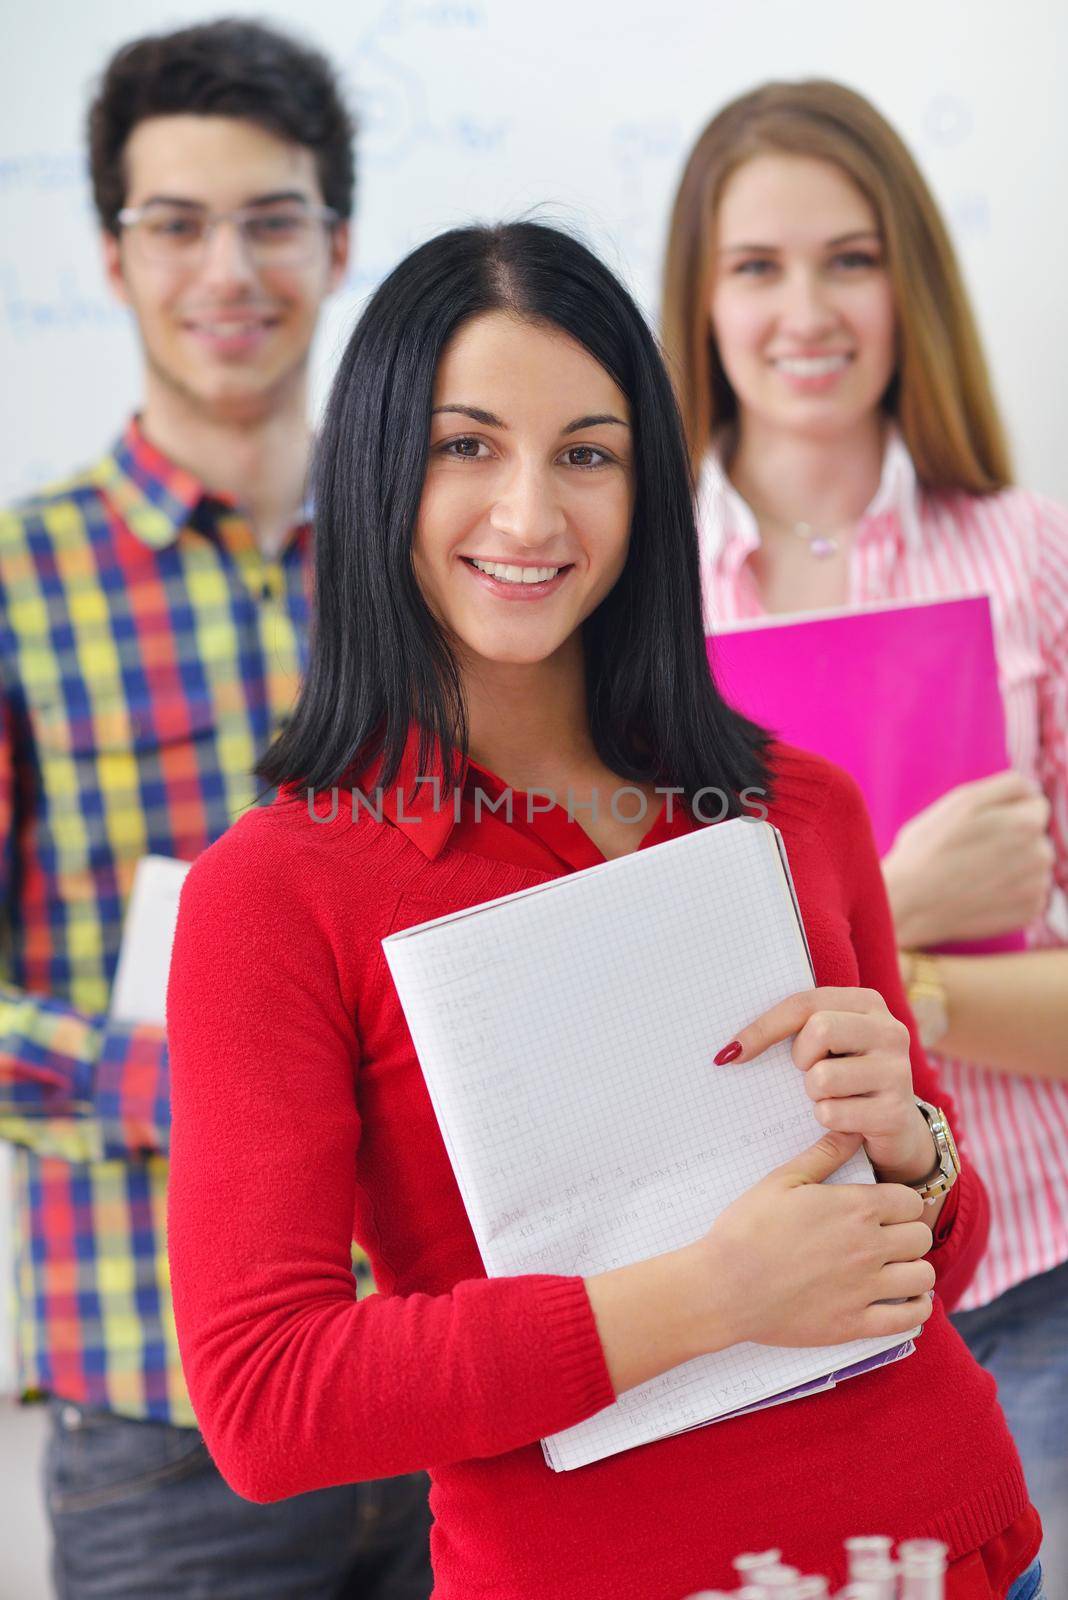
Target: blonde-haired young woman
x,y
848,449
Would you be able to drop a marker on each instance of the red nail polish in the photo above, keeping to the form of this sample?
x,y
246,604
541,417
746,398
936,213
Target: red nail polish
x,y
730,1052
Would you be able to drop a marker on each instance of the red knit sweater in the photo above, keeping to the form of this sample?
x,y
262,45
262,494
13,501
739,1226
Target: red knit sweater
x,y
299,1106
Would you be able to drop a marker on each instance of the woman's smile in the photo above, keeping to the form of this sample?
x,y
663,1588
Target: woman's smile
x,y
511,580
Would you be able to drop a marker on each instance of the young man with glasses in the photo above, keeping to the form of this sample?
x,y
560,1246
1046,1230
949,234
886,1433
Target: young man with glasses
x,y
153,624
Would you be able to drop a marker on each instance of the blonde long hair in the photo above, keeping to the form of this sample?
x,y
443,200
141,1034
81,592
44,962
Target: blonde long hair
x,y
941,394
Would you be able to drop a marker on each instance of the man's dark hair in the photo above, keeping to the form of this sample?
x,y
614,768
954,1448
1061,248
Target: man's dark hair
x,y
379,659
228,68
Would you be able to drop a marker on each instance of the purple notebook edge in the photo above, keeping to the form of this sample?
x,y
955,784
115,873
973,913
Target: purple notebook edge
x,y
884,1358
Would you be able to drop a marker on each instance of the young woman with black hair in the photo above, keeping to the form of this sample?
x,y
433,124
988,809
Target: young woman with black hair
x,y
508,598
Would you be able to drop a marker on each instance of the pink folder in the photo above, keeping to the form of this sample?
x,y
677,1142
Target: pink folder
x,y
905,697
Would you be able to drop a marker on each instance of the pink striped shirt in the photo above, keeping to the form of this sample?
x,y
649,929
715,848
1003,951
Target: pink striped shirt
x,y
1012,546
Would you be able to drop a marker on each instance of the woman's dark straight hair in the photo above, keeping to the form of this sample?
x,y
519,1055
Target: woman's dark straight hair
x,y
379,659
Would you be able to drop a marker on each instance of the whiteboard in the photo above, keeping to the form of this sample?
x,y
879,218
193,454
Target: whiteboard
x,y
581,108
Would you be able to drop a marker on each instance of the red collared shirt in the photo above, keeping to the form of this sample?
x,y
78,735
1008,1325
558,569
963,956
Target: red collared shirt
x,y
298,1102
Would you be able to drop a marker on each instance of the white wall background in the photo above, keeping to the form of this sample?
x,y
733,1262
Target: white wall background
x,y
486,108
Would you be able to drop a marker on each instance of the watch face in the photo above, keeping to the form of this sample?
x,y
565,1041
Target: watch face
x,y
945,1173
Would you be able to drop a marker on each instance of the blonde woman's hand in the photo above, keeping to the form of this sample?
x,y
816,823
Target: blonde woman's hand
x,y
976,863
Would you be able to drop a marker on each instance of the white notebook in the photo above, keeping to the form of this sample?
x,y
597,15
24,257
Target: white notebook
x,y
139,993
566,1035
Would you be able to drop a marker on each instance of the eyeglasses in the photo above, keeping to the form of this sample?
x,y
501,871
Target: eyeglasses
x,y
272,235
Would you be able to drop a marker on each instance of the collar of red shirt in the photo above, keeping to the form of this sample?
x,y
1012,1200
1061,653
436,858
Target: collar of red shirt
x,y
483,814
153,495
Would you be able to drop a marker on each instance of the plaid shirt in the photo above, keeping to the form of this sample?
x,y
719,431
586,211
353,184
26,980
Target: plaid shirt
x,y
148,650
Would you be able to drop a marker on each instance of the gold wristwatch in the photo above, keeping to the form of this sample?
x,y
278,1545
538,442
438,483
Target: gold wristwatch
x,y
927,996
946,1169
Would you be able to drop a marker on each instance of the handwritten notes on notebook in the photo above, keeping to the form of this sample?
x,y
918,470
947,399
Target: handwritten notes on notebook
x,y
566,1036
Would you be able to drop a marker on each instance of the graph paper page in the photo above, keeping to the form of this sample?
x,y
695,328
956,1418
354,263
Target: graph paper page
x,y
566,1035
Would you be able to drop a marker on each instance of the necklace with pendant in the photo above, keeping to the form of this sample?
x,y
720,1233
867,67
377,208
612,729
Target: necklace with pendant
x,y
821,545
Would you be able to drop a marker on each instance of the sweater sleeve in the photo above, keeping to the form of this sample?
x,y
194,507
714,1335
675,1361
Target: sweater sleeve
x,y
297,1385
964,1223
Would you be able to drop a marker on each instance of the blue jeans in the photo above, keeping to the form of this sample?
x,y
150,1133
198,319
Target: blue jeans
x,y
1022,1338
1029,1585
139,1512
